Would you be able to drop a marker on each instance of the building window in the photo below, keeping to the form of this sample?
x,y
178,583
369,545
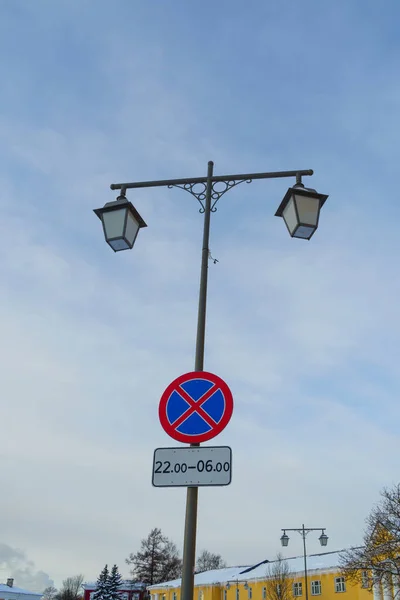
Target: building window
x,y
174,596
201,595
278,590
264,593
315,588
250,593
340,585
237,593
225,594
364,579
297,589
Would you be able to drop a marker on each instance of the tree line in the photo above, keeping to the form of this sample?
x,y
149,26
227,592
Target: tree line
x,y
158,560
107,586
71,589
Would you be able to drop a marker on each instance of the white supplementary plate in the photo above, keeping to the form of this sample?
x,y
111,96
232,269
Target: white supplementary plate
x,y
192,466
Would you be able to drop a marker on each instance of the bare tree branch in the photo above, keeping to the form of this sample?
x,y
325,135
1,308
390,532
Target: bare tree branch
x,y
279,580
207,561
378,559
71,588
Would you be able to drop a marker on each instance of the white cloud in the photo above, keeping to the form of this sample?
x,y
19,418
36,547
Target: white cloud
x,y
14,563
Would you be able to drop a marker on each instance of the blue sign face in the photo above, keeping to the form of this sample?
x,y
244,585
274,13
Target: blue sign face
x,y
195,407
205,401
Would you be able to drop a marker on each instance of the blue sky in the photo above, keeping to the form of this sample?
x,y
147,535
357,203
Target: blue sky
x,y
306,334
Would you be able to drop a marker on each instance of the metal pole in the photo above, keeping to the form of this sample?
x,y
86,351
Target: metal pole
x,y
305,561
189,541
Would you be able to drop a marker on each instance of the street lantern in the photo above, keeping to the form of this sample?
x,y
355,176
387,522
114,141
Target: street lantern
x,y
300,210
284,539
323,538
121,223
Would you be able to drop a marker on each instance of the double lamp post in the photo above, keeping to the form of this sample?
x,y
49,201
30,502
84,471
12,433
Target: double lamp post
x,y
300,209
304,531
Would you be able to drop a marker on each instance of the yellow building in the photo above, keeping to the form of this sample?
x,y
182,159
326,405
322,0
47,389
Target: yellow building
x,y
254,582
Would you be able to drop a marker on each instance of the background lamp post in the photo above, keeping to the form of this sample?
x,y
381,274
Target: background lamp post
x,y
304,531
236,581
121,223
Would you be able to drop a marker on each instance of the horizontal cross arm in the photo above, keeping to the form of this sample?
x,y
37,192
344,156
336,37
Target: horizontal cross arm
x,y
300,529
214,179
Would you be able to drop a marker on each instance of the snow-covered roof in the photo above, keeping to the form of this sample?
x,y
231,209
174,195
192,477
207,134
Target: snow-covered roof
x,y
4,588
315,562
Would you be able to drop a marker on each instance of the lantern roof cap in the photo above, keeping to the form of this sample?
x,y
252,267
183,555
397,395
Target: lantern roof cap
x,y
121,202
299,188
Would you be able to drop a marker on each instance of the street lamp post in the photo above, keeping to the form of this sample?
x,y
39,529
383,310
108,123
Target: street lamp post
x,y
228,586
300,210
304,531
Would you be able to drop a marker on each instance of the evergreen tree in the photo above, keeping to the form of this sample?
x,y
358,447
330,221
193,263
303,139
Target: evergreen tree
x,y
157,560
114,582
102,586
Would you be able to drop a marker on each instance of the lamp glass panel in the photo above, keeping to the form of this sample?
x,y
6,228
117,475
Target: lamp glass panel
x,y
113,222
308,209
304,231
289,214
132,227
118,245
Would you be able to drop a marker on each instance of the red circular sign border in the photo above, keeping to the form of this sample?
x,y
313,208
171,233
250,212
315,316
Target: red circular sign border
x,y
203,437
